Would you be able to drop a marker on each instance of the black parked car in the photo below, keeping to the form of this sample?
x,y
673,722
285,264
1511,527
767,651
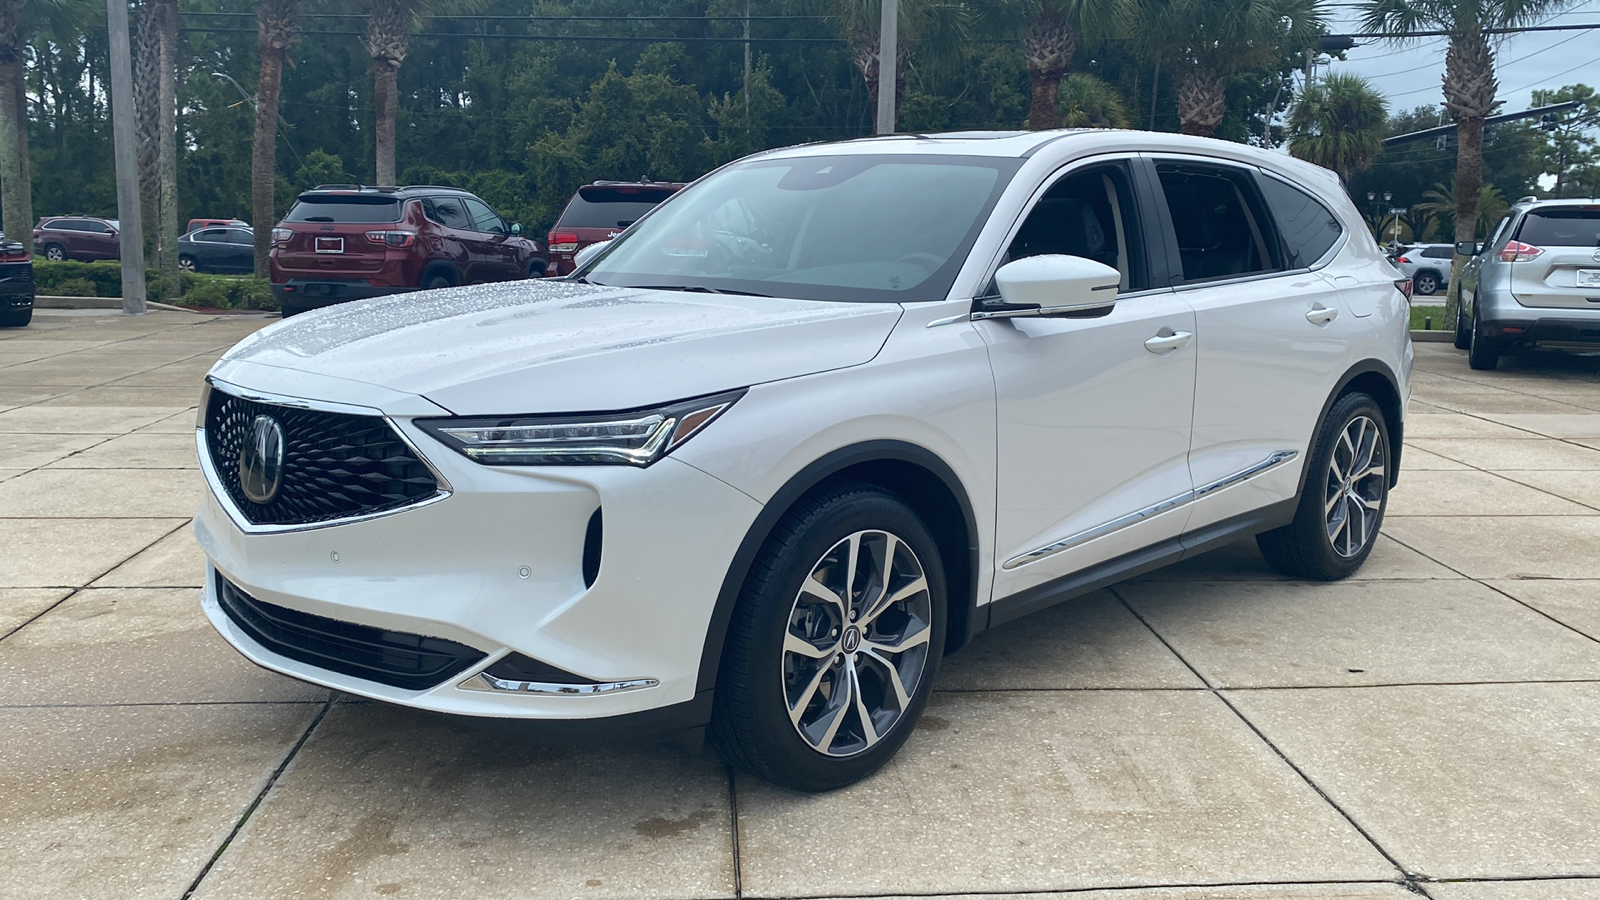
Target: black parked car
x,y
16,284
217,249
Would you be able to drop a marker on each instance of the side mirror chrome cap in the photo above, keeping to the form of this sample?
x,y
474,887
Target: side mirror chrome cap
x,y
1051,285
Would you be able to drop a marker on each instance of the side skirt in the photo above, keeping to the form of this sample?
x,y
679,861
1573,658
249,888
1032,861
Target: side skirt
x,y
1184,546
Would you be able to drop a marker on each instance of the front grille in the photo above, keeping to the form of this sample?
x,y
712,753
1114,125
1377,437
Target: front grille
x,y
410,661
335,465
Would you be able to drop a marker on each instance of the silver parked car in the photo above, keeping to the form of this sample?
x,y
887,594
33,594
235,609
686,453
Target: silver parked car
x,y
1536,281
1427,265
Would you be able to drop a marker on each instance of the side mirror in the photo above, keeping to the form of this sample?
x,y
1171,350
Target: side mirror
x,y
1467,248
1041,286
582,257
516,227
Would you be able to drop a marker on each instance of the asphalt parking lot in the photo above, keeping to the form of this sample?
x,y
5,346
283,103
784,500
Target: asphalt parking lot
x,y
1210,731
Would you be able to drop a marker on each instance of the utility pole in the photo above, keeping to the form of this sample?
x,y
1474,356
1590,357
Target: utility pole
x,y
123,149
747,68
888,68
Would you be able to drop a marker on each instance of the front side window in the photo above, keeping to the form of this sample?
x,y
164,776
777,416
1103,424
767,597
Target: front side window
x,y
1439,252
240,236
483,218
1308,229
1090,215
1221,231
873,227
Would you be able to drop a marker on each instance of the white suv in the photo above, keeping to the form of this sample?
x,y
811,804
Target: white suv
x,y
805,429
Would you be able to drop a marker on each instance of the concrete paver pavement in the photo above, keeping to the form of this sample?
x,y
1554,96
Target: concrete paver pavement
x,y
1211,731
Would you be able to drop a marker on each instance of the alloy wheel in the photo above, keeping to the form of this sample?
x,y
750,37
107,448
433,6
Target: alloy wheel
x,y
186,264
54,254
856,645
1355,484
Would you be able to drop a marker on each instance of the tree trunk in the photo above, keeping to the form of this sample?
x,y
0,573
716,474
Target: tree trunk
x,y
1469,190
16,204
1202,102
166,16
385,103
264,155
1469,96
147,113
1048,44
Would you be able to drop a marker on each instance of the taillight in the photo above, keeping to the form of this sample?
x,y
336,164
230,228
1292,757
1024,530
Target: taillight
x,y
281,235
1401,259
1403,285
393,238
1517,251
563,242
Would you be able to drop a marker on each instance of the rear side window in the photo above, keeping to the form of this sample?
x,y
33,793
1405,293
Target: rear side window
x,y
213,236
1222,232
608,207
446,211
1439,252
1561,226
355,209
1308,229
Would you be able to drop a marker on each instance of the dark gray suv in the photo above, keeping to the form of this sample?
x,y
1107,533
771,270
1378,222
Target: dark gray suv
x,y
1536,281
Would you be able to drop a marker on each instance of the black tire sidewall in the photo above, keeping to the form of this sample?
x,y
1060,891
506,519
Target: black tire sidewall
x,y
756,700
1483,353
1430,279
1311,521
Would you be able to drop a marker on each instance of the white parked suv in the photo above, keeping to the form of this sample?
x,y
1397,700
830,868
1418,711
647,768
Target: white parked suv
x,y
804,430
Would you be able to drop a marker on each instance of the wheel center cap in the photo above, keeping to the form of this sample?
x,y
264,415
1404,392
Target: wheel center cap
x,y
851,640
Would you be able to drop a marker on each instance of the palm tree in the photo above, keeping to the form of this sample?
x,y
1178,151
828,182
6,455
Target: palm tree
x,y
1218,39
164,18
147,127
20,20
938,29
1440,202
1340,124
1469,83
1050,31
277,27
388,40
1085,101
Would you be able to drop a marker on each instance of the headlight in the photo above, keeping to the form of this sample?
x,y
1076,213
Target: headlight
x,y
633,438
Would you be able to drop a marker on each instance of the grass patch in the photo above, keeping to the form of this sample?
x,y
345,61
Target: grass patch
x,y
104,279
1420,316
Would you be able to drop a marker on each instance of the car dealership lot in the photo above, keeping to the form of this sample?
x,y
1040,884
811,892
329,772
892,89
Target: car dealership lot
x,y
1435,719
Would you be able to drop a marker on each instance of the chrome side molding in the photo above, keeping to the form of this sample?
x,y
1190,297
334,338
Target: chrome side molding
x,y
483,681
1277,458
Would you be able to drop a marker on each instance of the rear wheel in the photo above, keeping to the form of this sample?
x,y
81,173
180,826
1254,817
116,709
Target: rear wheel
x,y
188,264
292,309
16,318
1426,283
1483,353
833,646
536,269
1463,329
1342,503
55,252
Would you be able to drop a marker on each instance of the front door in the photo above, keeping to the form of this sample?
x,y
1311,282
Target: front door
x,y
1093,414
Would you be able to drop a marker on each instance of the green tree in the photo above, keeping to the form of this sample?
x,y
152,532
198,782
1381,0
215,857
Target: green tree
x,y
20,21
1469,82
1084,101
277,29
1340,124
1050,32
1441,202
1571,143
1217,41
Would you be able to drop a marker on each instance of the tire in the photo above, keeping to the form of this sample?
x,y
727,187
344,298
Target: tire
x,y
1326,541
55,252
1426,284
1483,353
188,263
291,309
1463,329
435,280
536,269
16,318
762,673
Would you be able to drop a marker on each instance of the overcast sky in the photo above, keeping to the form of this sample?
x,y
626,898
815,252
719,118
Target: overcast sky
x,y
1409,73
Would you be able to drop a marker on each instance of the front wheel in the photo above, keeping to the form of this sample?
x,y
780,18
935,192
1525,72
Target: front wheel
x,y
187,264
1342,503
833,646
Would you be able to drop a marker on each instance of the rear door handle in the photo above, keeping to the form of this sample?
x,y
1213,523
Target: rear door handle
x,y
1166,343
1321,315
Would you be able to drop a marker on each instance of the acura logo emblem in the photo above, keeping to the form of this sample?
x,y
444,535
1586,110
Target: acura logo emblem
x,y
261,460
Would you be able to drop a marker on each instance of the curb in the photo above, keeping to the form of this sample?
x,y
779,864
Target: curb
x,y
1432,337
46,302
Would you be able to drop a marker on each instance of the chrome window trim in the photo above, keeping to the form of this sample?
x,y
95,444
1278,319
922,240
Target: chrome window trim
x,y
483,681
1278,458
214,482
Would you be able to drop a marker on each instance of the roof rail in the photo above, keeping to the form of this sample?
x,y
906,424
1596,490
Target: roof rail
x,y
337,187
1528,199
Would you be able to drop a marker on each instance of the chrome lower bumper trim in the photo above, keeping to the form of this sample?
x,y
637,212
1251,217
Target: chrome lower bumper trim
x,y
1083,537
483,681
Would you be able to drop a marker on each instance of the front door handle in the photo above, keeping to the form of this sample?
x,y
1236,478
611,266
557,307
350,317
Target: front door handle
x,y
1321,315
1168,342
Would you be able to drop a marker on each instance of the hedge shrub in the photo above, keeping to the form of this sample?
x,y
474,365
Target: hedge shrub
x,y
104,279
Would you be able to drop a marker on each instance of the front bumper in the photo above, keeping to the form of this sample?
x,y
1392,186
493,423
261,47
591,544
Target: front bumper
x,y
497,566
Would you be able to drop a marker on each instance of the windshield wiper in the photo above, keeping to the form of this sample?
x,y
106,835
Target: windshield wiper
x,y
696,289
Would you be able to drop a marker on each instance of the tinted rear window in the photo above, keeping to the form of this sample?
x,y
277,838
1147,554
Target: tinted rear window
x,y
1307,227
1571,227
608,209
354,209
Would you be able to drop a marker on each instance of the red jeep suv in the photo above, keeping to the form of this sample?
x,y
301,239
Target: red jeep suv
x,y
348,242
599,212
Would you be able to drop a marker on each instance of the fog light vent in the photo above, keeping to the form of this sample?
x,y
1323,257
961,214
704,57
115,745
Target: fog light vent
x,y
591,550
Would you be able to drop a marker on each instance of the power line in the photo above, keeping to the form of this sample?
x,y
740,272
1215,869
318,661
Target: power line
x,y
627,38
1498,65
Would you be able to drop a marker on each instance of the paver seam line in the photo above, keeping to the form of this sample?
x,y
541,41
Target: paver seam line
x,y
1410,881
1508,596
1511,480
81,388
78,589
733,816
23,336
1034,892
256,803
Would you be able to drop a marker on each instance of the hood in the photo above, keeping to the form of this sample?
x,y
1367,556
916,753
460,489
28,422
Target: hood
x,y
551,347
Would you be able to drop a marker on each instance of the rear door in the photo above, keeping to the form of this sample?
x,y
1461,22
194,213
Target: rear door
x,y
1555,257
456,240
210,248
329,234
239,251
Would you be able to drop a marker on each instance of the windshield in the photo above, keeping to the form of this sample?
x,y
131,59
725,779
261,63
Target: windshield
x,y
873,227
